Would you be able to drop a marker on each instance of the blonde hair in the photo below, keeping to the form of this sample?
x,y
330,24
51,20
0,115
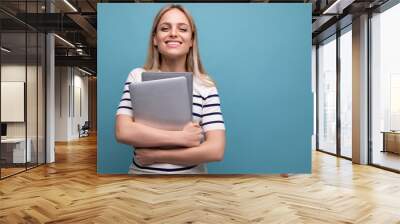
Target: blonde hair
x,y
193,62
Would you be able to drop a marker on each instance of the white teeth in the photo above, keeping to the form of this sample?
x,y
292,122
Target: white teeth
x,y
173,42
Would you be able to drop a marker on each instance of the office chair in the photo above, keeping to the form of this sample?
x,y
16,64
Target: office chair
x,y
84,130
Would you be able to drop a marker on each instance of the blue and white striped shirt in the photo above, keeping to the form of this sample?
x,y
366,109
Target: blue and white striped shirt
x,y
206,111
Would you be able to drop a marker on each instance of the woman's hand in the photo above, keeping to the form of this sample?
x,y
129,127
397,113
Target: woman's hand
x,y
191,134
145,157
211,150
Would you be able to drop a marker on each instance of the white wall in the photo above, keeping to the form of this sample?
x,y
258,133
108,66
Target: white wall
x,y
70,84
61,103
80,89
15,72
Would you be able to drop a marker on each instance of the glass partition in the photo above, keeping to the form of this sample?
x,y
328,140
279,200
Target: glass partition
x,y
346,92
13,103
385,89
32,95
22,88
327,95
41,91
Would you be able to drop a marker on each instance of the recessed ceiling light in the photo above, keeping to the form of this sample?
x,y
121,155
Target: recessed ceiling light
x,y
71,6
5,50
64,40
337,7
84,71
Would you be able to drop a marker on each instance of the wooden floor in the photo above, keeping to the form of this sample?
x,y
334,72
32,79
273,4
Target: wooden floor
x,y
5,172
70,191
387,159
8,171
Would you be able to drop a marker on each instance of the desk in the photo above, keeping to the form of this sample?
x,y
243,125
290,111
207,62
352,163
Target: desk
x,y
391,141
13,150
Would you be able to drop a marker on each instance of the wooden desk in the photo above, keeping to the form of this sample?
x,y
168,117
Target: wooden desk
x,y
391,141
13,150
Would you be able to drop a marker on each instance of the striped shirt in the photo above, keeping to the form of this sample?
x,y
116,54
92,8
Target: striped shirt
x,y
206,111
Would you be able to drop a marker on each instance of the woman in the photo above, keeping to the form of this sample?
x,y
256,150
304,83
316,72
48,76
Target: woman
x,y
173,48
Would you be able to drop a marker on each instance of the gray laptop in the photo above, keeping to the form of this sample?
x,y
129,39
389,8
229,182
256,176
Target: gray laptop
x,y
162,104
147,76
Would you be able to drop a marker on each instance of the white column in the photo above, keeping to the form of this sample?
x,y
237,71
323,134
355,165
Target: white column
x,y
360,90
50,110
50,92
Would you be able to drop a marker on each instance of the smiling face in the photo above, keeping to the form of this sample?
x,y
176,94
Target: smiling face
x,y
173,36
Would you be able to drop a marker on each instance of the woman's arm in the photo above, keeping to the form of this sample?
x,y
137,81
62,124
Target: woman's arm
x,y
138,135
212,149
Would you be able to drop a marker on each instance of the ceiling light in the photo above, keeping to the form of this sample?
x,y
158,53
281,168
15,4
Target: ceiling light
x,y
84,71
337,7
5,50
65,41
71,6
331,7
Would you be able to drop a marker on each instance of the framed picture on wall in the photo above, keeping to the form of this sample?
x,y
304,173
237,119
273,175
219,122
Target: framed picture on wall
x,y
12,101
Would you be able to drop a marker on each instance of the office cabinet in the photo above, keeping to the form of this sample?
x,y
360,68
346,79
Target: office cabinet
x,y
391,142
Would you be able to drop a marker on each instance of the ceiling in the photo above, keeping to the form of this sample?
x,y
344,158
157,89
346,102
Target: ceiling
x,y
76,22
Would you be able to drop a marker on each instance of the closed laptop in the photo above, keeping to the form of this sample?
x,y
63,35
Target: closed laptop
x,y
148,76
162,103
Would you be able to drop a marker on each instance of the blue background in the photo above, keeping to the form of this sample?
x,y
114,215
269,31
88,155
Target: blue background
x,y
260,57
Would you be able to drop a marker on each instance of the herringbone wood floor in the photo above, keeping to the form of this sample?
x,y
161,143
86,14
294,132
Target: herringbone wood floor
x,y
70,191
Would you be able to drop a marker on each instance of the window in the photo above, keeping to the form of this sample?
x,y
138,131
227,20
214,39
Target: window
x,y
327,95
346,92
385,88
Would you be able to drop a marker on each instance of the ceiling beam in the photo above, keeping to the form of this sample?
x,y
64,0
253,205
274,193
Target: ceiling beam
x,y
84,24
337,6
85,61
